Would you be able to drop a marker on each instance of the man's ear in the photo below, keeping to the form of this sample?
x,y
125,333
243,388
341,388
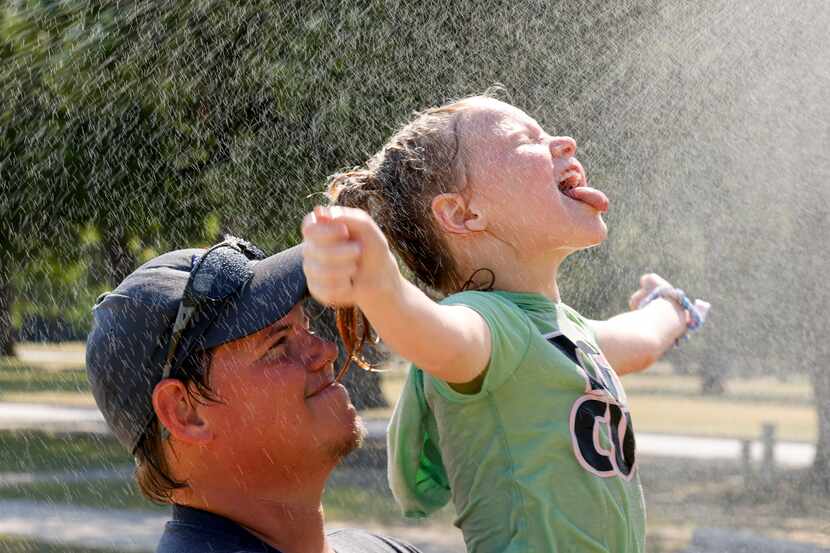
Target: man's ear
x,y
455,216
179,413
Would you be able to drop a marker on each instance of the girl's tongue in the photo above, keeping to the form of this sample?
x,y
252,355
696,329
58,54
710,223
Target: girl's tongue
x,y
590,196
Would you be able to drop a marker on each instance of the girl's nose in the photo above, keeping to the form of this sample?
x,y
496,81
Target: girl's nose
x,y
563,146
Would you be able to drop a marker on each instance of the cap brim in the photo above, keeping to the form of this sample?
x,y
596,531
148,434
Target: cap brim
x,y
277,286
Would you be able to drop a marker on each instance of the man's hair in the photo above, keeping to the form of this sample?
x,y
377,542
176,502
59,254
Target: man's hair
x,y
152,471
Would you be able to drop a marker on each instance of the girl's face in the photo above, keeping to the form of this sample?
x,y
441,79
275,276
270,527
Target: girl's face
x,y
528,184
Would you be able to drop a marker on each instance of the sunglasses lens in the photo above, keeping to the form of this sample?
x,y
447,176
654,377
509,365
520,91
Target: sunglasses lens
x,y
204,276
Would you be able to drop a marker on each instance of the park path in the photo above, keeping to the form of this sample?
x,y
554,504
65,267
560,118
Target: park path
x,y
89,419
113,529
39,416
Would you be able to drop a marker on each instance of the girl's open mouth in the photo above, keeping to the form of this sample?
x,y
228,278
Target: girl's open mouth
x,y
572,184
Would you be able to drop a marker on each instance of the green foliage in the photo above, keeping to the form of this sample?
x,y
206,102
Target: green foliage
x,y
64,290
157,124
132,128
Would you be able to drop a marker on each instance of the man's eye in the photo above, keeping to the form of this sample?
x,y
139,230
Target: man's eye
x,y
276,345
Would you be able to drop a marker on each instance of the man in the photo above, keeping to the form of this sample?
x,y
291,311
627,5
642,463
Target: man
x,y
204,367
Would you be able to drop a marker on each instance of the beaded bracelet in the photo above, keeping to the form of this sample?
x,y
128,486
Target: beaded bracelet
x,y
695,318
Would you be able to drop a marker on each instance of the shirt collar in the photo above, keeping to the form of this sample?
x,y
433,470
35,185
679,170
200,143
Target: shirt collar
x,y
217,524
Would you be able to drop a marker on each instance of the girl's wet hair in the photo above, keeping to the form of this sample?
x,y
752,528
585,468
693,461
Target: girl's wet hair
x,y
423,159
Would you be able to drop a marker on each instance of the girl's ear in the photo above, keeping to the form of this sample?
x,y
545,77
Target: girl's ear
x,y
179,413
455,216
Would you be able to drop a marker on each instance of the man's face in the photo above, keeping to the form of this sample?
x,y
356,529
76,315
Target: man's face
x,y
276,413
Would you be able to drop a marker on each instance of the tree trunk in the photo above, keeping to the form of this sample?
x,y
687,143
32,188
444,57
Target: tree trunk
x,y
820,473
712,369
711,382
119,259
6,295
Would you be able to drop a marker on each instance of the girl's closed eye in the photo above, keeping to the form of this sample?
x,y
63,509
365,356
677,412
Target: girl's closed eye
x,y
530,138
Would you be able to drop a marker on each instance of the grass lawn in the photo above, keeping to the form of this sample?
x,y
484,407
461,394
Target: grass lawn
x,y
668,403
661,401
35,451
349,492
660,380
721,417
342,501
363,494
45,374
108,494
10,544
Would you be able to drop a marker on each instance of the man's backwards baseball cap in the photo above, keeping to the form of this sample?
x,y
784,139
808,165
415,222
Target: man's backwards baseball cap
x,y
133,324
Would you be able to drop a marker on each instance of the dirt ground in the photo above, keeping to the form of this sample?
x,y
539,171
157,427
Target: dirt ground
x,y
683,495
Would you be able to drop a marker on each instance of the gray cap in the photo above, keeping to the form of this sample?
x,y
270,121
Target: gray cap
x,y
132,326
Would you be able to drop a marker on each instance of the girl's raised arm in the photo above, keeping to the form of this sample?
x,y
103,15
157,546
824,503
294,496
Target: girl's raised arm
x,y
634,340
347,262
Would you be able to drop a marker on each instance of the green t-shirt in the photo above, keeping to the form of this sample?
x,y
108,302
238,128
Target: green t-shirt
x,y
542,458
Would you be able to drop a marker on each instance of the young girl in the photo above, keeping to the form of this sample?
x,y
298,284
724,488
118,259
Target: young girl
x,y
512,408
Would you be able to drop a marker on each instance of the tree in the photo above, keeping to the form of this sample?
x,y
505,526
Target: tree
x,y
168,114
158,124
35,206
745,142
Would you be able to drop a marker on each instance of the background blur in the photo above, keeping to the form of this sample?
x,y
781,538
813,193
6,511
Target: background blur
x,y
131,128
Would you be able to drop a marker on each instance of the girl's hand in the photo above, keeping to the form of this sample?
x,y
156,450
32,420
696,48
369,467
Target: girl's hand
x,y
648,283
346,258
651,281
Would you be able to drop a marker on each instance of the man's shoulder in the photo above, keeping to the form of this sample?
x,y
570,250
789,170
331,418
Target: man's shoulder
x,y
360,541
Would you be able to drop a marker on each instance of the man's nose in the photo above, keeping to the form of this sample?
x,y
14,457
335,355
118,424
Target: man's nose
x,y
563,146
321,353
